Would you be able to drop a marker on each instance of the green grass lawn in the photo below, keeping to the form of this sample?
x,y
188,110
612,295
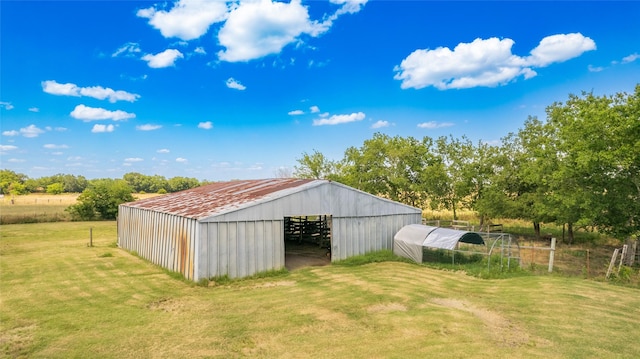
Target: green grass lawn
x,y
60,298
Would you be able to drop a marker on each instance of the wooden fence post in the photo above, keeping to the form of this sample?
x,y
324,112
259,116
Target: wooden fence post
x,y
552,253
613,262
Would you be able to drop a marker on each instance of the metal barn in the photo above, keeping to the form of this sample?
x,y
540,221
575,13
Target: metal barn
x,y
237,228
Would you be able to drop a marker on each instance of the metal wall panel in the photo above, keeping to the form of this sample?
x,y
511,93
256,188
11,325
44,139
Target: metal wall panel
x,y
241,249
157,238
359,235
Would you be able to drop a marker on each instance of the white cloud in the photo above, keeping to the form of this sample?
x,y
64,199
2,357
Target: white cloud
x,y
592,68
34,109
200,50
165,58
257,29
205,125
559,48
133,159
380,124
163,150
348,7
10,133
433,125
148,127
631,58
30,131
296,113
314,109
187,19
250,29
130,49
86,113
98,92
6,105
181,160
97,128
339,119
234,84
52,146
8,148
485,62
16,160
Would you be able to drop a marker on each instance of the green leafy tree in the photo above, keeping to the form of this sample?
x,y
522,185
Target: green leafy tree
x,y
101,199
453,180
314,165
55,188
9,179
176,184
599,139
387,166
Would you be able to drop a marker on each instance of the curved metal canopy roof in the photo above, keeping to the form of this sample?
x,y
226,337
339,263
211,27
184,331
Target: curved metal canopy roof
x,y
410,239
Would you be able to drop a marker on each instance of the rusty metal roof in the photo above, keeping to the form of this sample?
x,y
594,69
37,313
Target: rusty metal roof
x,y
220,197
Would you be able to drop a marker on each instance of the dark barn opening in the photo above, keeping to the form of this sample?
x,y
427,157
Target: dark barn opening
x,y
307,241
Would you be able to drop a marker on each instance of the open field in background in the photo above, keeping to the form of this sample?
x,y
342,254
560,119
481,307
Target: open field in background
x,y
34,208
61,299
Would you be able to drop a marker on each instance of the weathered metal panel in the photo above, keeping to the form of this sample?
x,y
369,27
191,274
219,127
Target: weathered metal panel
x,y
213,243
151,235
359,235
243,255
252,257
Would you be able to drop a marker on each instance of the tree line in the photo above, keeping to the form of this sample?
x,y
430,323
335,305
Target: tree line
x,y
18,184
580,168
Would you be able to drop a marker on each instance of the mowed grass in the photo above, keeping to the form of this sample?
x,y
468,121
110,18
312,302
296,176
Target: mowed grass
x,y
60,298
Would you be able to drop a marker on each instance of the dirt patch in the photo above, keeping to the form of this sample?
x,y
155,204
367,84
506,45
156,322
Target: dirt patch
x,y
502,331
295,261
165,305
304,254
274,284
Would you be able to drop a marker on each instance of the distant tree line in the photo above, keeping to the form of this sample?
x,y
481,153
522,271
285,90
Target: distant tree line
x,y
17,183
579,168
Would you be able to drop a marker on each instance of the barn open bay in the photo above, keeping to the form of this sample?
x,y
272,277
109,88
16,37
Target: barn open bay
x,y
61,298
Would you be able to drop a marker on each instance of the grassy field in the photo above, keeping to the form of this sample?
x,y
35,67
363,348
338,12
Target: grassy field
x,y
35,208
60,298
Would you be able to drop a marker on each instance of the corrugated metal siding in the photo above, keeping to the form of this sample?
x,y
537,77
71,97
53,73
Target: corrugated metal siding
x,y
359,235
240,249
163,239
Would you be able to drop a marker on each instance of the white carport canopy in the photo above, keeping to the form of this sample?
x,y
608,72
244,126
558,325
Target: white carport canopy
x,y
410,239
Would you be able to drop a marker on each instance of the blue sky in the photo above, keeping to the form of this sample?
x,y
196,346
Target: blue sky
x,y
223,90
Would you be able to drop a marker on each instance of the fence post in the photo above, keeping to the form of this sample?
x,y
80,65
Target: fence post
x,y
552,253
90,236
613,262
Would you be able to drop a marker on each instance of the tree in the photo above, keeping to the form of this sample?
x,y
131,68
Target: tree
x,y
176,184
314,165
391,167
10,179
599,139
101,199
55,188
452,181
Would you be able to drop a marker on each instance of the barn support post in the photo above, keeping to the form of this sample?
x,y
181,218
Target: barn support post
x,y
552,253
